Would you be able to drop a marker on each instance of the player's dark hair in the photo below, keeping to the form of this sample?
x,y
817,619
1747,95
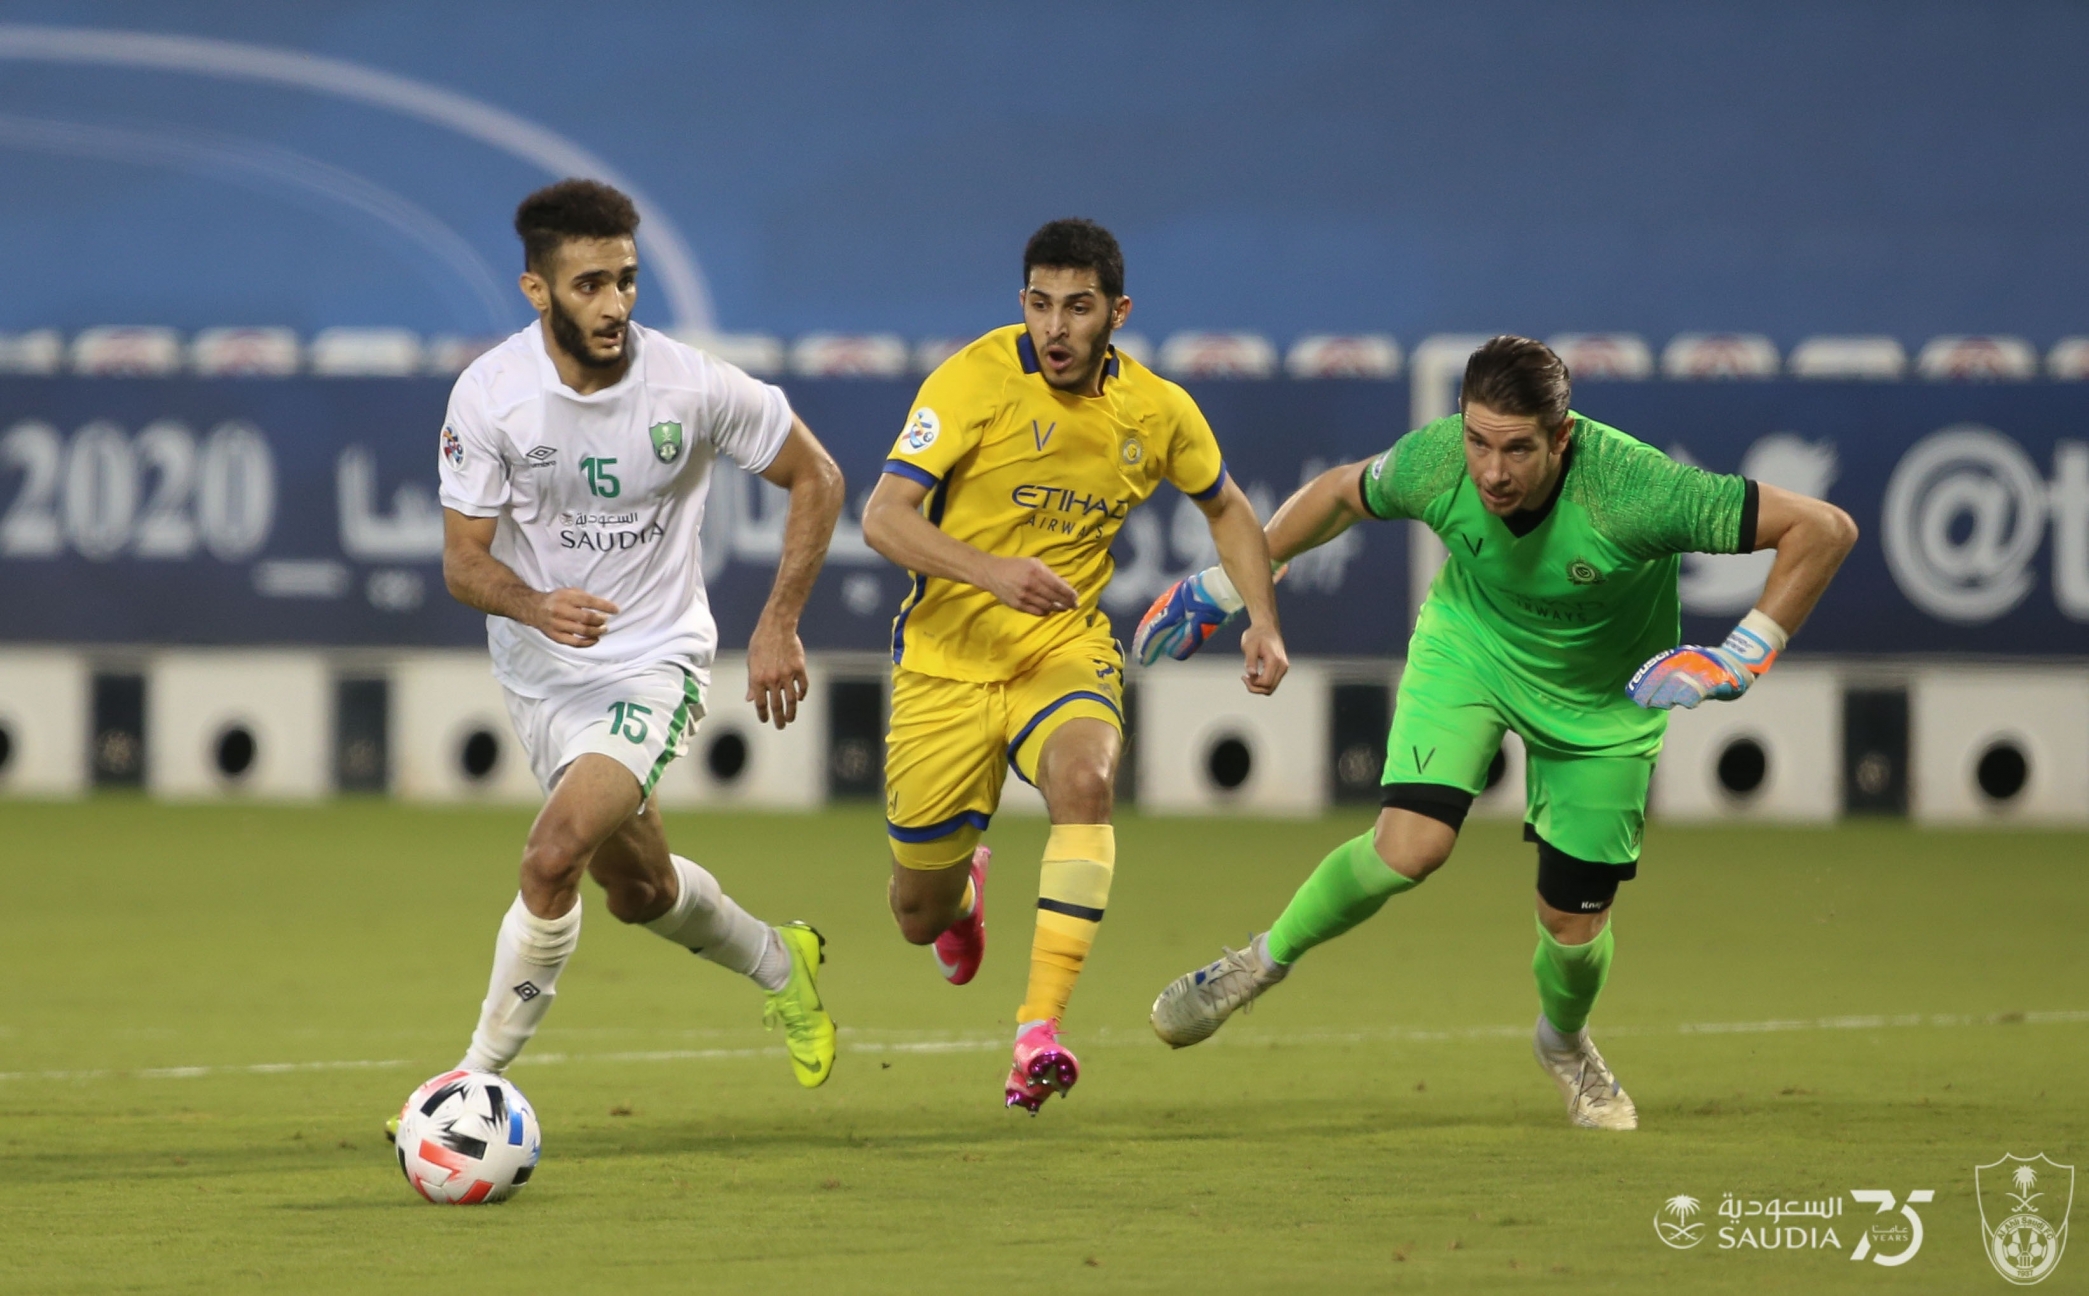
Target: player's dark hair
x,y
1075,244
1519,376
571,209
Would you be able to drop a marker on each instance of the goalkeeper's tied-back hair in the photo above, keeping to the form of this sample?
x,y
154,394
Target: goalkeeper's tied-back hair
x,y
1519,376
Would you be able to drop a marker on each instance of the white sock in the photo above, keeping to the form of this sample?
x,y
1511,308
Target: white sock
x,y
705,921
528,955
1555,1040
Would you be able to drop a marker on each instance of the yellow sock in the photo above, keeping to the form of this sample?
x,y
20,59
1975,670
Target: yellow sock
x,y
1073,890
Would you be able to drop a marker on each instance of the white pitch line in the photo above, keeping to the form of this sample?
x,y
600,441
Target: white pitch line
x,y
1106,1039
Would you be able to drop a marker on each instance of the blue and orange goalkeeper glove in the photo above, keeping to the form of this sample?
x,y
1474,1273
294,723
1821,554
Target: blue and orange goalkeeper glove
x,y
1186,614
1686,676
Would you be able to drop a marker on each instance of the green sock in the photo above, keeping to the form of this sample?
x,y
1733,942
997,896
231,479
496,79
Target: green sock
x,y
1570,977
1350,885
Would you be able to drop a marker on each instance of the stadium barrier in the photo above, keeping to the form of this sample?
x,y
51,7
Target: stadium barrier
x,y
1947,743
451,739
1773,754
44,722
230,723
736,760
2001,744
1208,746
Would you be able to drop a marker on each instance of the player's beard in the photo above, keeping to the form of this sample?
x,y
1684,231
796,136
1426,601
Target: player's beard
x,y
1089,370
566,331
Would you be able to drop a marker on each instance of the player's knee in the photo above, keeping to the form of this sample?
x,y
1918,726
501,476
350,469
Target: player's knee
x,y
554,858
1413,855
1081,791
919,922
1418,827
1576,894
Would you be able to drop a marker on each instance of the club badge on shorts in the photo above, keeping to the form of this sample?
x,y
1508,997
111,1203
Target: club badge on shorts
x,y
667,441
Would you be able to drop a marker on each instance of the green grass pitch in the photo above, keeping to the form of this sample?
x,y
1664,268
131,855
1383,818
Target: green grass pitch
x,y
1898,1007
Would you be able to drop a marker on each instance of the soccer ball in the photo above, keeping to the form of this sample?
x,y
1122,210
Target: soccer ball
x,y
467,1137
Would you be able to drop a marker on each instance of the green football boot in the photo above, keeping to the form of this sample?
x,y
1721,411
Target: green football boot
x,y
808,1031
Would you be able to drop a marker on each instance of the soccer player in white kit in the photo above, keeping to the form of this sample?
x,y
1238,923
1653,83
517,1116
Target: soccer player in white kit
x,y
575,459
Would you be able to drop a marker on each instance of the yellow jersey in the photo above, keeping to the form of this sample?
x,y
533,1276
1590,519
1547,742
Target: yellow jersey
x,y
1020,469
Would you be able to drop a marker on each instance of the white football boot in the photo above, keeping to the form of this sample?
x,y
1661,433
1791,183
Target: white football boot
x,y
1197,1003
1595,1100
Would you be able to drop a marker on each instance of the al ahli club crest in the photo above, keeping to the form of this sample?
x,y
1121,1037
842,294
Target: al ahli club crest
x,y
2024,1204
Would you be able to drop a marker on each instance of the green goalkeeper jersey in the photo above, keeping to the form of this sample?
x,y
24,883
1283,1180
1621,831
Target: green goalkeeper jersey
x,y
1563,602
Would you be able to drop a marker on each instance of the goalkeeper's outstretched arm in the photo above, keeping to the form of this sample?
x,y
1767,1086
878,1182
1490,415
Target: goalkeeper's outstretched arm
x,y
1319,511
1193,609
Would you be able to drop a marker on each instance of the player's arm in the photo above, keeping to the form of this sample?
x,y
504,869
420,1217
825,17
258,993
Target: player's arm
x,y
776,680
1811,538
894,526
1318,511
477,579
1244,554
1196,607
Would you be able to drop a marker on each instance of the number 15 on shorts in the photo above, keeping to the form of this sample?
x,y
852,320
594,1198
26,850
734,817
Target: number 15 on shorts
x,y
627,719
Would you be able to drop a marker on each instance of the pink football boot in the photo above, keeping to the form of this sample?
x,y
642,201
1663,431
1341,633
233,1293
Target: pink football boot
x,y
960,950
1043,1067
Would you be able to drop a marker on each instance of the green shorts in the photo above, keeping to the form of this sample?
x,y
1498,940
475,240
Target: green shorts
x,y
1585,771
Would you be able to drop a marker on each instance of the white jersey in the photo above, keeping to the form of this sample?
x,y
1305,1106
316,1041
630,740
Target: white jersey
x,y
603,493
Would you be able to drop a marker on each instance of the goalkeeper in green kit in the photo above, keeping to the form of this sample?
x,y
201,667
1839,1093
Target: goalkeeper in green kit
x,y
1556,617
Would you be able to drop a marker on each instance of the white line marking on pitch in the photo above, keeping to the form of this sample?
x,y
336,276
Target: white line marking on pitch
x,y
1105,1039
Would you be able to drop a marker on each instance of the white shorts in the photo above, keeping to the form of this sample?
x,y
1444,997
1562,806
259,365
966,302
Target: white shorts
x,y
640,721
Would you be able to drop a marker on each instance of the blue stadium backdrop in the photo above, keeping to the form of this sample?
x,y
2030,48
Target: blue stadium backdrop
x,y
302,511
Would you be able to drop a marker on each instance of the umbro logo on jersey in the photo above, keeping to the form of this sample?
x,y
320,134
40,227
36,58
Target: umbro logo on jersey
x,y
527,991
541,456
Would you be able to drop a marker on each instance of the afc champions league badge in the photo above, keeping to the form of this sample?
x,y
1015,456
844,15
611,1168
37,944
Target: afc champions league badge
x,y
2024,1205
921,430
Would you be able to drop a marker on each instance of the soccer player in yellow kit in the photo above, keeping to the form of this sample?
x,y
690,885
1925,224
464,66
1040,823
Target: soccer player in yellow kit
x,y
1021,459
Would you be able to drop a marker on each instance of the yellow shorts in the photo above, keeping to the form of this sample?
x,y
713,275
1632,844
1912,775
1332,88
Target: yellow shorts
x,y
952,740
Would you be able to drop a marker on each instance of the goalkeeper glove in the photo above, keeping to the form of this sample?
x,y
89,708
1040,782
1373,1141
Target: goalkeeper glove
x,y
1686,676
1185,615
